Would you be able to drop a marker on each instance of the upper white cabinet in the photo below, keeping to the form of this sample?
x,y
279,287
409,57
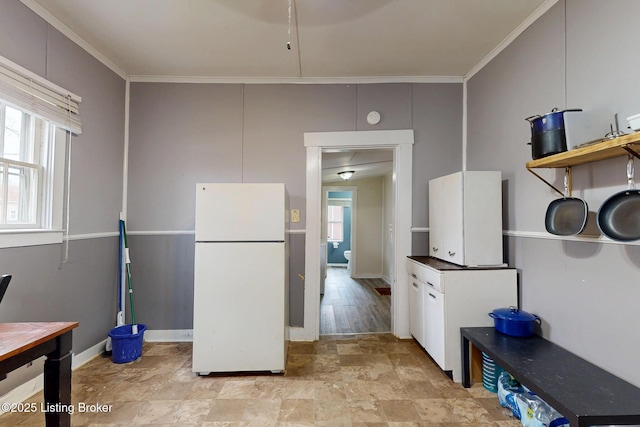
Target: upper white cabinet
x,y
465,218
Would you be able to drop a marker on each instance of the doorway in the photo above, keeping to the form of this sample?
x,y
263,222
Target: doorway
x,y
352,299
400,141
355,290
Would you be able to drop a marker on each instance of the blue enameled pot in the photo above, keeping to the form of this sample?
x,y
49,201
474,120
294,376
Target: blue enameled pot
x,y
514,322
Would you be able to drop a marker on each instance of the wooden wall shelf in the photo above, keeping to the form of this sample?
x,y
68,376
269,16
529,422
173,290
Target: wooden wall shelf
x,y
606,149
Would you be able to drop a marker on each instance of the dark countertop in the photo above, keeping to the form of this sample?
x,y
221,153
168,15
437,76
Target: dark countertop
x,y
438,264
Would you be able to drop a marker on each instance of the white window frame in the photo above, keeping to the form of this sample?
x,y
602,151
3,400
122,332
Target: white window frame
x,y
339,222
48,229
29,92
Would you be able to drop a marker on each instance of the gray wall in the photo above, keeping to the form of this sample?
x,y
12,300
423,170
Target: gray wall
x,y
187,133
585,291
84,289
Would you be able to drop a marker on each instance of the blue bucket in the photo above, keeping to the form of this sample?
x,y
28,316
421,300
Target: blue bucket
x,y
126,346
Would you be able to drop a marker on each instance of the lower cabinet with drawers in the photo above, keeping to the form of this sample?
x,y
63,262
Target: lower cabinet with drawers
x,y
444,297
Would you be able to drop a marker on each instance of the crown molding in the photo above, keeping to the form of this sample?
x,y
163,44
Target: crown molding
x,y
60,26
74,37
295,80
541,10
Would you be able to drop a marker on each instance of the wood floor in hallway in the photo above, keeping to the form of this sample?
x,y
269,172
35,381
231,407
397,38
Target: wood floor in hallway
x,y
353,305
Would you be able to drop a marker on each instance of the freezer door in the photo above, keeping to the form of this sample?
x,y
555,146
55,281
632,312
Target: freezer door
x,y
239,307
240,212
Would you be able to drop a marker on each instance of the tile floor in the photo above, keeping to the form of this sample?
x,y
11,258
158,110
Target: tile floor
x,y
340,380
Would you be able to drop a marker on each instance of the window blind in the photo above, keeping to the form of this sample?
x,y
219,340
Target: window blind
x,y
339,202
35,94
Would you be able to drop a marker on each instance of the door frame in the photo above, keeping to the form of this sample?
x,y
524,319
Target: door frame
x,y
401,142
354,200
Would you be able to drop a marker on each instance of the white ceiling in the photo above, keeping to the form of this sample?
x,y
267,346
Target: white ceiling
x,y
365,163
329,38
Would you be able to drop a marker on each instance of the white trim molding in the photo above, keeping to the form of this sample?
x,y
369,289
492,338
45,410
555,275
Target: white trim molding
x,y
160,232
184,232
19,238
168,335
58,25
295,80
578,238
401,141
419,229
36,385
541,10
89,236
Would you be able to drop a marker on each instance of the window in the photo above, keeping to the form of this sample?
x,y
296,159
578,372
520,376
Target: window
x,y
36,118
20,169
32,156
335,223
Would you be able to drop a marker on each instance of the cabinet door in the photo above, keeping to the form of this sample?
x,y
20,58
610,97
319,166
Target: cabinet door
x,y
416,309
453,233
436,225
434,326
482,218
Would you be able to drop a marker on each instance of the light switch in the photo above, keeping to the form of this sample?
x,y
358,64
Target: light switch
x,y
295,215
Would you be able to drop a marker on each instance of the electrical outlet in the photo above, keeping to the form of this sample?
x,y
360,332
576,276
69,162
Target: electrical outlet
x,y
295,215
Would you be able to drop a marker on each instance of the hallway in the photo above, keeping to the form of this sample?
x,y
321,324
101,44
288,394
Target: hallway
x,y
353,305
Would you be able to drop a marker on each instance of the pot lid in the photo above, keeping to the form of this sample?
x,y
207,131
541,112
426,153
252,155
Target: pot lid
x,y
513,313
554,111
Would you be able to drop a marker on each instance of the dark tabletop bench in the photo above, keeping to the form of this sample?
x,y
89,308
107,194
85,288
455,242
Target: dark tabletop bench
x,y
582,392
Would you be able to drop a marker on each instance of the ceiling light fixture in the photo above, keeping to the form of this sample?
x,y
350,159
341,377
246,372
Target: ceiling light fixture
x,y
346,174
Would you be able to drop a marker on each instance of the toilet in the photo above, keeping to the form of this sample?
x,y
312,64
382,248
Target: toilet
x,y
347,255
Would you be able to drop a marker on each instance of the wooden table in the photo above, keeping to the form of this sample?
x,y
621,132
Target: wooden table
x,y
21,343
584,393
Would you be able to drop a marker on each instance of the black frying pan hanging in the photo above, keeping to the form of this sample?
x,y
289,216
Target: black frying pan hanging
x,y
566,216
619,216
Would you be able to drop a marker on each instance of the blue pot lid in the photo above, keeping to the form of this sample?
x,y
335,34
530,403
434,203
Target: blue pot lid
x,y
513,313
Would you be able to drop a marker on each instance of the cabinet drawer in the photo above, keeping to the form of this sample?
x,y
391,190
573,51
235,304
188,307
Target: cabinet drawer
x,y
433,279
414,269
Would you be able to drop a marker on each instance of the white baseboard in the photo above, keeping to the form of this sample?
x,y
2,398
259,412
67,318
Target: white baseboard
x,y
169,335
23,391
186,335
299,334
87,355
35,385
366,276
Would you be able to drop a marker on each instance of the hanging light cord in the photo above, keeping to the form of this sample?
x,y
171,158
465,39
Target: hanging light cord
x,y
293,14
289,28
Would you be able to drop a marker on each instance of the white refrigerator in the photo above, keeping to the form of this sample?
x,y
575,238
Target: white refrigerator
x,y
241,280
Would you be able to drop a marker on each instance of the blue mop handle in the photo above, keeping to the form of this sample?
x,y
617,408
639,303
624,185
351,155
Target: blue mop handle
x,y
120,243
